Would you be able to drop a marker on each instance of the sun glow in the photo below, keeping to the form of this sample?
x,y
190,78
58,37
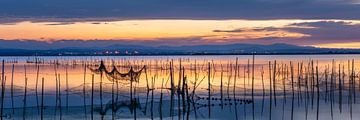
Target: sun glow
x,y
340,45
142,29
214,31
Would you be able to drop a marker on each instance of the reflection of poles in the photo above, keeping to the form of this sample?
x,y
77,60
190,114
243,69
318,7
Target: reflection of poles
x,y
59,97
188,98
221,88
263,89
312,84
353,78
340,90
131,85
67,87
307,90
25,94
133,102
3,81
318,93
152,99
194,89
146,77
12,88
179,91
326,83
92,97
172,88
332,89
282,77
299,93
285,76
234,89
209,88
229,78
292,89
36,87
161,98
244,96
195,82
2,96
146,101
235,75
3,70
353,88
274,82
84,91
252,87
270,91
42,98
101,95
183,91
112,100
56,89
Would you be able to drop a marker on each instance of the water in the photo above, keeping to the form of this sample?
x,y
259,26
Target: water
x,y
70,92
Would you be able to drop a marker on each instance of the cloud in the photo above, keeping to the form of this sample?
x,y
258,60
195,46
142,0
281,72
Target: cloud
x,y
298,33
328,31
255,29
95,10
319,32
236,30
61,23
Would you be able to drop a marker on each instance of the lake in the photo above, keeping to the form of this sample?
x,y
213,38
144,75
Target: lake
x,y
274,87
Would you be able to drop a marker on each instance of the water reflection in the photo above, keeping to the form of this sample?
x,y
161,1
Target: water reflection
x,y
187,87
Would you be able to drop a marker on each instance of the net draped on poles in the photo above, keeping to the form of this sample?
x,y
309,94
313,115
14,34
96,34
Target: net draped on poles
x,y
114,74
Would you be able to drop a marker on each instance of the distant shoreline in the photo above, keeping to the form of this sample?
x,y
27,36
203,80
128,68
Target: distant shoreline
x,y
187,54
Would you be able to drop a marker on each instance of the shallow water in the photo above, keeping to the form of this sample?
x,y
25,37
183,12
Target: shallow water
x,y
70,92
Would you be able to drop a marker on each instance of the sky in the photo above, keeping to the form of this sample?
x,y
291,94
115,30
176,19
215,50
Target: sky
x,y
319,23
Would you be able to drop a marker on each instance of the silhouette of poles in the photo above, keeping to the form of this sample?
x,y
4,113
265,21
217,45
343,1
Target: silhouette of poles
x,y
42,99
252,87
270,85
67,87
36,86
209,89
292,89
3,83
25,94
12,88
92,96
84,91
274,82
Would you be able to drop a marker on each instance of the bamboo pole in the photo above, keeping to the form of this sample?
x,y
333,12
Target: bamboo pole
x,y
42,99
209,90
12,88
252,87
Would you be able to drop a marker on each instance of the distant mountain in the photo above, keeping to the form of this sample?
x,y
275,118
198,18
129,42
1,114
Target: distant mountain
x,y
122,49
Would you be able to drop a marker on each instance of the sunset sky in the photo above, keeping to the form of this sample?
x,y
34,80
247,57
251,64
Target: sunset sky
x,y
320,23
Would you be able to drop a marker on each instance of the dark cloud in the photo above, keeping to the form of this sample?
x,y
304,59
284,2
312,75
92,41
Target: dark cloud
x,y
317,33
230,31
61,23
256,29
100,10
328,31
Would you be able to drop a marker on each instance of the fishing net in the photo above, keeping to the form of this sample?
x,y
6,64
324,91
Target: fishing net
x,y
115,75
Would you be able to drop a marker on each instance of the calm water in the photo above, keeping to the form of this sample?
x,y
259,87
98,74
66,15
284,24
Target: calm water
x,y
319,87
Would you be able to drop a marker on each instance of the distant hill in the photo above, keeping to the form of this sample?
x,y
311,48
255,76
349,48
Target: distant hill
x,y
44,49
